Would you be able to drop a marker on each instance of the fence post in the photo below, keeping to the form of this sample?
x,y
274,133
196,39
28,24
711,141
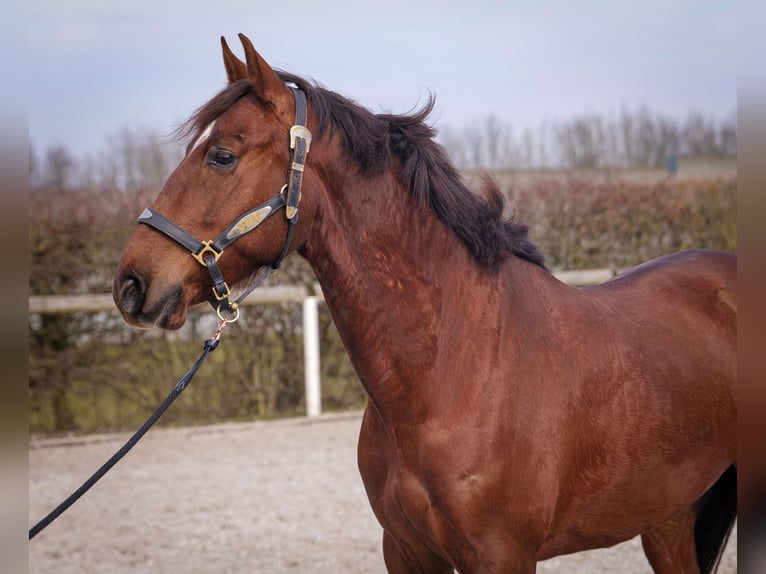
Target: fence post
x,y
311,356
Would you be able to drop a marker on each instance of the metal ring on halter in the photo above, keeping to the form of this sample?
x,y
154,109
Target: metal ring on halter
x,y
232,316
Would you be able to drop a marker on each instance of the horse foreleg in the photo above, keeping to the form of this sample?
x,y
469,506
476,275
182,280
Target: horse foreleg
x,y
405,560
670,547
694,541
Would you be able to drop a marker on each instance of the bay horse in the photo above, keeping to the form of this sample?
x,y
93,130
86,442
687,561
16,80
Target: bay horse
x,y
510,417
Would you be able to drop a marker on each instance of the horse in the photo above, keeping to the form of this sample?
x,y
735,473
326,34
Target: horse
x,y
510,417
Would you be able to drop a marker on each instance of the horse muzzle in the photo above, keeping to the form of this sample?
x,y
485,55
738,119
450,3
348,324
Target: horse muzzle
x,y
166,309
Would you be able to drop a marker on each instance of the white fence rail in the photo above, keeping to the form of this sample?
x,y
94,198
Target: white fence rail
x,y
83,303
90,303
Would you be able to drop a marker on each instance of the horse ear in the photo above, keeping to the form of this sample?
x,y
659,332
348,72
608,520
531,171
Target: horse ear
x,y
235,68
268,85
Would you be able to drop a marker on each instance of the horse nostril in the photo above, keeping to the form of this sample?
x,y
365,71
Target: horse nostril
x,y
131,293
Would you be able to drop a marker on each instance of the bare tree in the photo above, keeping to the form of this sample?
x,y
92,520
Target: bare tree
x,y
582,142
526,156
451,140
497,141
728,136
640,138
33,167
699,135
59,168
139,158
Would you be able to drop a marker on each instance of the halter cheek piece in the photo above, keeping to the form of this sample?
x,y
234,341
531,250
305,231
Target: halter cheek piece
x,y
207,252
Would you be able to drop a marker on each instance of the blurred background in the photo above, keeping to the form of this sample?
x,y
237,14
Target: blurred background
x,y
611,128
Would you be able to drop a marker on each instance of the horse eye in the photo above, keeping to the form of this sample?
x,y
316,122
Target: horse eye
x,y
221,158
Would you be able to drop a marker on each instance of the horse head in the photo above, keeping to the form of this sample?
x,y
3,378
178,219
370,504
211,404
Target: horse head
x,y
237,189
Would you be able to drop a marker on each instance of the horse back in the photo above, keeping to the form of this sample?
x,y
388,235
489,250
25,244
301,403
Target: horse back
x,y
698,286
676,317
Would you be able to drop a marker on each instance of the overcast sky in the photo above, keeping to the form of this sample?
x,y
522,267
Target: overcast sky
x,y
96,66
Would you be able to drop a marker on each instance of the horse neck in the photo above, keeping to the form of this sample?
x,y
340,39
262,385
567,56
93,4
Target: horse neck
x,y
397,282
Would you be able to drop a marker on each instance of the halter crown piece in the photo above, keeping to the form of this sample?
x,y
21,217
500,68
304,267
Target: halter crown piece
x,y
207,252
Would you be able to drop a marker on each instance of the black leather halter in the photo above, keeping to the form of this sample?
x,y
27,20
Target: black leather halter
x,y
207,252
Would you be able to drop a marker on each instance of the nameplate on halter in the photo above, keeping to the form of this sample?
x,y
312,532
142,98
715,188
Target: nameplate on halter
x,y
249,222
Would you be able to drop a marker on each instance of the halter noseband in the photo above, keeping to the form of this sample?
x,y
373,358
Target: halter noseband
x,y
207,252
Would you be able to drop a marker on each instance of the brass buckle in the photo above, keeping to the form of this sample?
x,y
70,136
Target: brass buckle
x,y
223,297
206,248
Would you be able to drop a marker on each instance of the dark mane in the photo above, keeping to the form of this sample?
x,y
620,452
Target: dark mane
x,y
371,140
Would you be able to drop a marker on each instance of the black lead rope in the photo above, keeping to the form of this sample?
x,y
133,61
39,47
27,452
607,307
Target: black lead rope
x,y
207,253
210,345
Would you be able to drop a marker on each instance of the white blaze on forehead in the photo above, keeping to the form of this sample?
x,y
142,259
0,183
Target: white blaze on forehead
x,y
204,135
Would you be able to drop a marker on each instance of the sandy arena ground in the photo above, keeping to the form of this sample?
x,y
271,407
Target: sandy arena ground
x,y
263,497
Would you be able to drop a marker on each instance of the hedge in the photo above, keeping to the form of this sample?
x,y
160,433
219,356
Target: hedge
x,y
89,372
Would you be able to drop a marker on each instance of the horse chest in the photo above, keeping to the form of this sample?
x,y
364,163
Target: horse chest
x,y
425,498
406,501
402,498
416,519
